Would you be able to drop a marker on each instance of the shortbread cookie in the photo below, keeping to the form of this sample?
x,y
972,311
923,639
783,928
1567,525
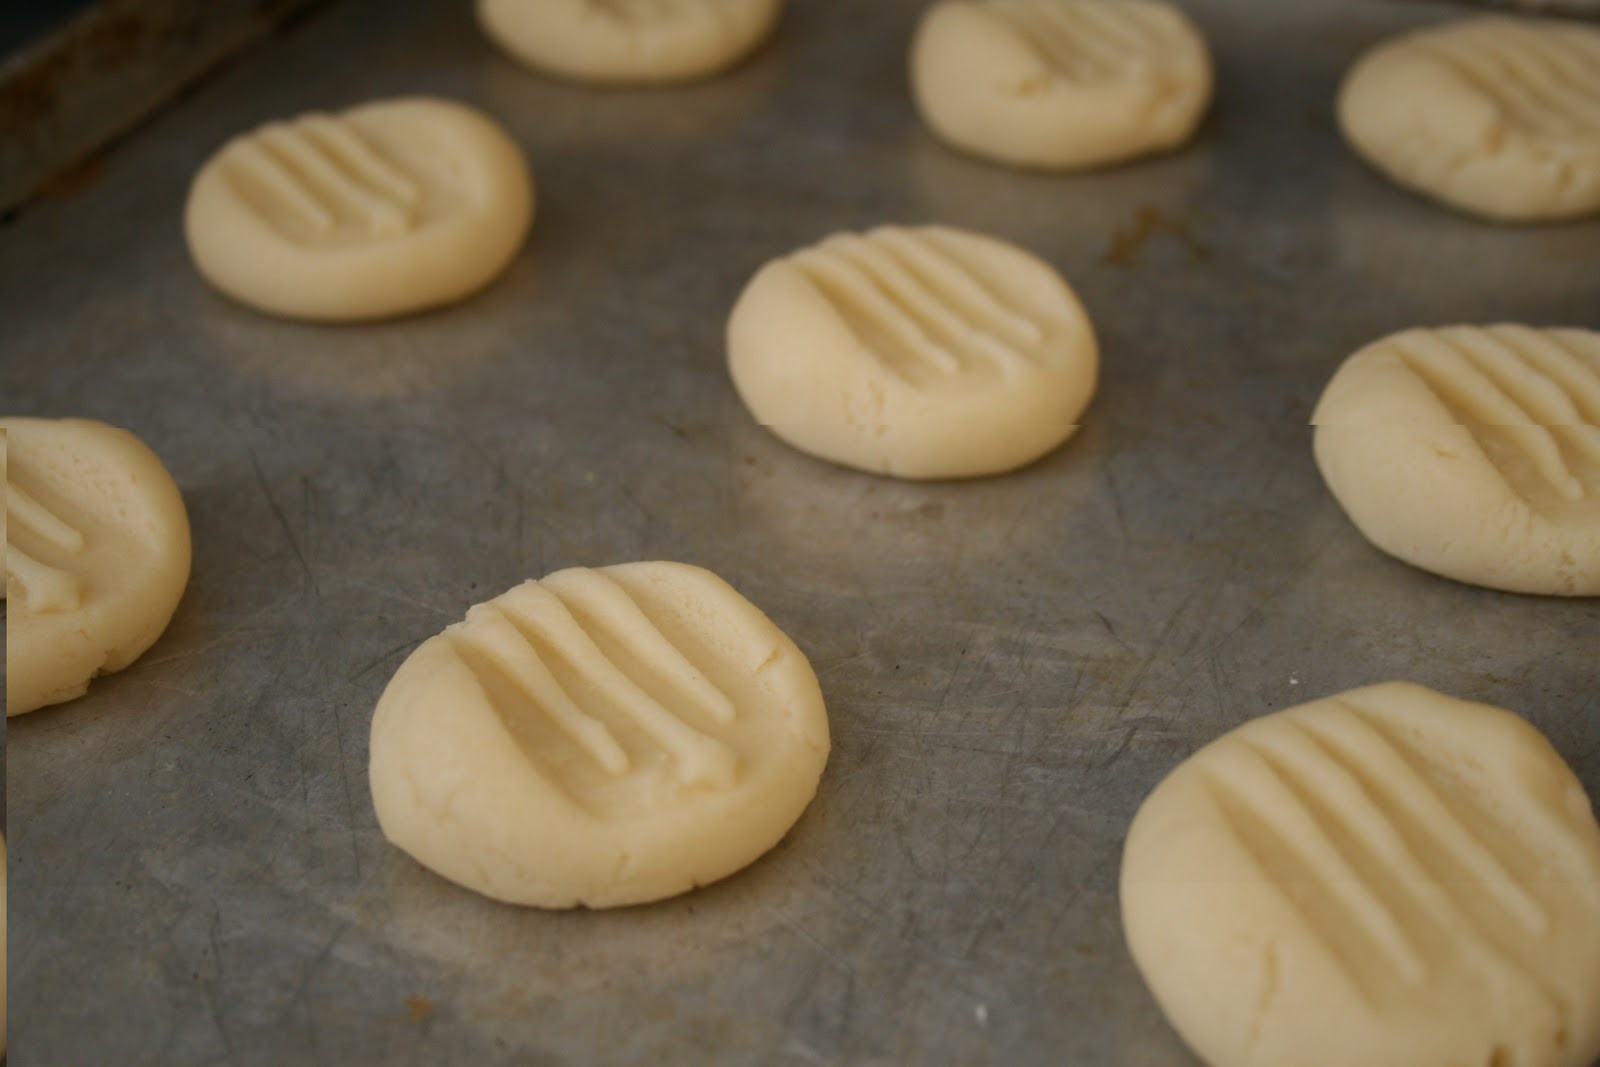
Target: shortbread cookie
x,y
599,738
1060,84
387,208
1389,877
629,42
97,555
1496,116
923,352
1473,452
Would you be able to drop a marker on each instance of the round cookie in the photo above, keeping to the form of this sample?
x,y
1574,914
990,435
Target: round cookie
x,y
1495,116
1060,84
388,208
599,738
1388,877
920,352
97,555
1472,452
629,42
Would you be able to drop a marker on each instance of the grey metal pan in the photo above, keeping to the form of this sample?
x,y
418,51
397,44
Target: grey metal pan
x,y
1010,664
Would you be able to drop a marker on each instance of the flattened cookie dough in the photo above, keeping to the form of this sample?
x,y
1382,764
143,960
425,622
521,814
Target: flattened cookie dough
x,y
1389,877
1495,116
1472,452
388,208
600,738
629,42
920,352
1060,84
97,555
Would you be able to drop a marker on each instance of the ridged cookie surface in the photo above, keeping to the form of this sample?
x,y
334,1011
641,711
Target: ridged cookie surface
x,y
1473,452
1388,877
391,207
599,737
97,555
921,352
1495,116
1060,84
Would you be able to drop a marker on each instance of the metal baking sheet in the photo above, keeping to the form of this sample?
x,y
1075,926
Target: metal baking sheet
x,y
1010,664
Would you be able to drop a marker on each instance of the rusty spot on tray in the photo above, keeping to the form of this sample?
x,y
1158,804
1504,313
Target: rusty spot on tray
x,y
418,1009
1127,245
73,178
115,41
98,42
31,96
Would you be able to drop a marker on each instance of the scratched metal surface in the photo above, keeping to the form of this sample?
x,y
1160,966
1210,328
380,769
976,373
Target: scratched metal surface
x,y
1010,664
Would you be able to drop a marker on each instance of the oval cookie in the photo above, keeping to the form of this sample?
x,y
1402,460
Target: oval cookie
x,y
387,208
1472,452
921,352
599,738
1495,116
1060,84
629,42
1389,877
97,555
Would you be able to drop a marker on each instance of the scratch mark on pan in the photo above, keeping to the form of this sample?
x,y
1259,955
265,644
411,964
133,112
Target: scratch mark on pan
x,y
283,520
373,663
944,694
349,801
1112,630
823,950
1122,746
432,609
1116,504
315,964
214,995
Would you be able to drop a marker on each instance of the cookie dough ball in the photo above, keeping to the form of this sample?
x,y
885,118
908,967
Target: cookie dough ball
x,y
388,208
1389,877
1472,452
1060,84
599,738
923,352
1495,116
629,42
97,555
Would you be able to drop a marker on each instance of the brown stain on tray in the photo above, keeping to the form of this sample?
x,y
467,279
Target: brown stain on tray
x,y
1127,245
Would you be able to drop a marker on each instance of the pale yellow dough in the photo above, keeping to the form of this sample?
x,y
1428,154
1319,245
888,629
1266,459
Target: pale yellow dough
x,y
388,208
1389,877
1060,84
599,737
97,555
1495,116
1473,452
920,352
629,42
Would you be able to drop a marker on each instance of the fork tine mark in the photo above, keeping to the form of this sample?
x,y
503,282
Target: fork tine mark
x,y
45,588
501,647
251,158
1474,397
861,296
383,215
27,512
701,760
595,594
342,142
